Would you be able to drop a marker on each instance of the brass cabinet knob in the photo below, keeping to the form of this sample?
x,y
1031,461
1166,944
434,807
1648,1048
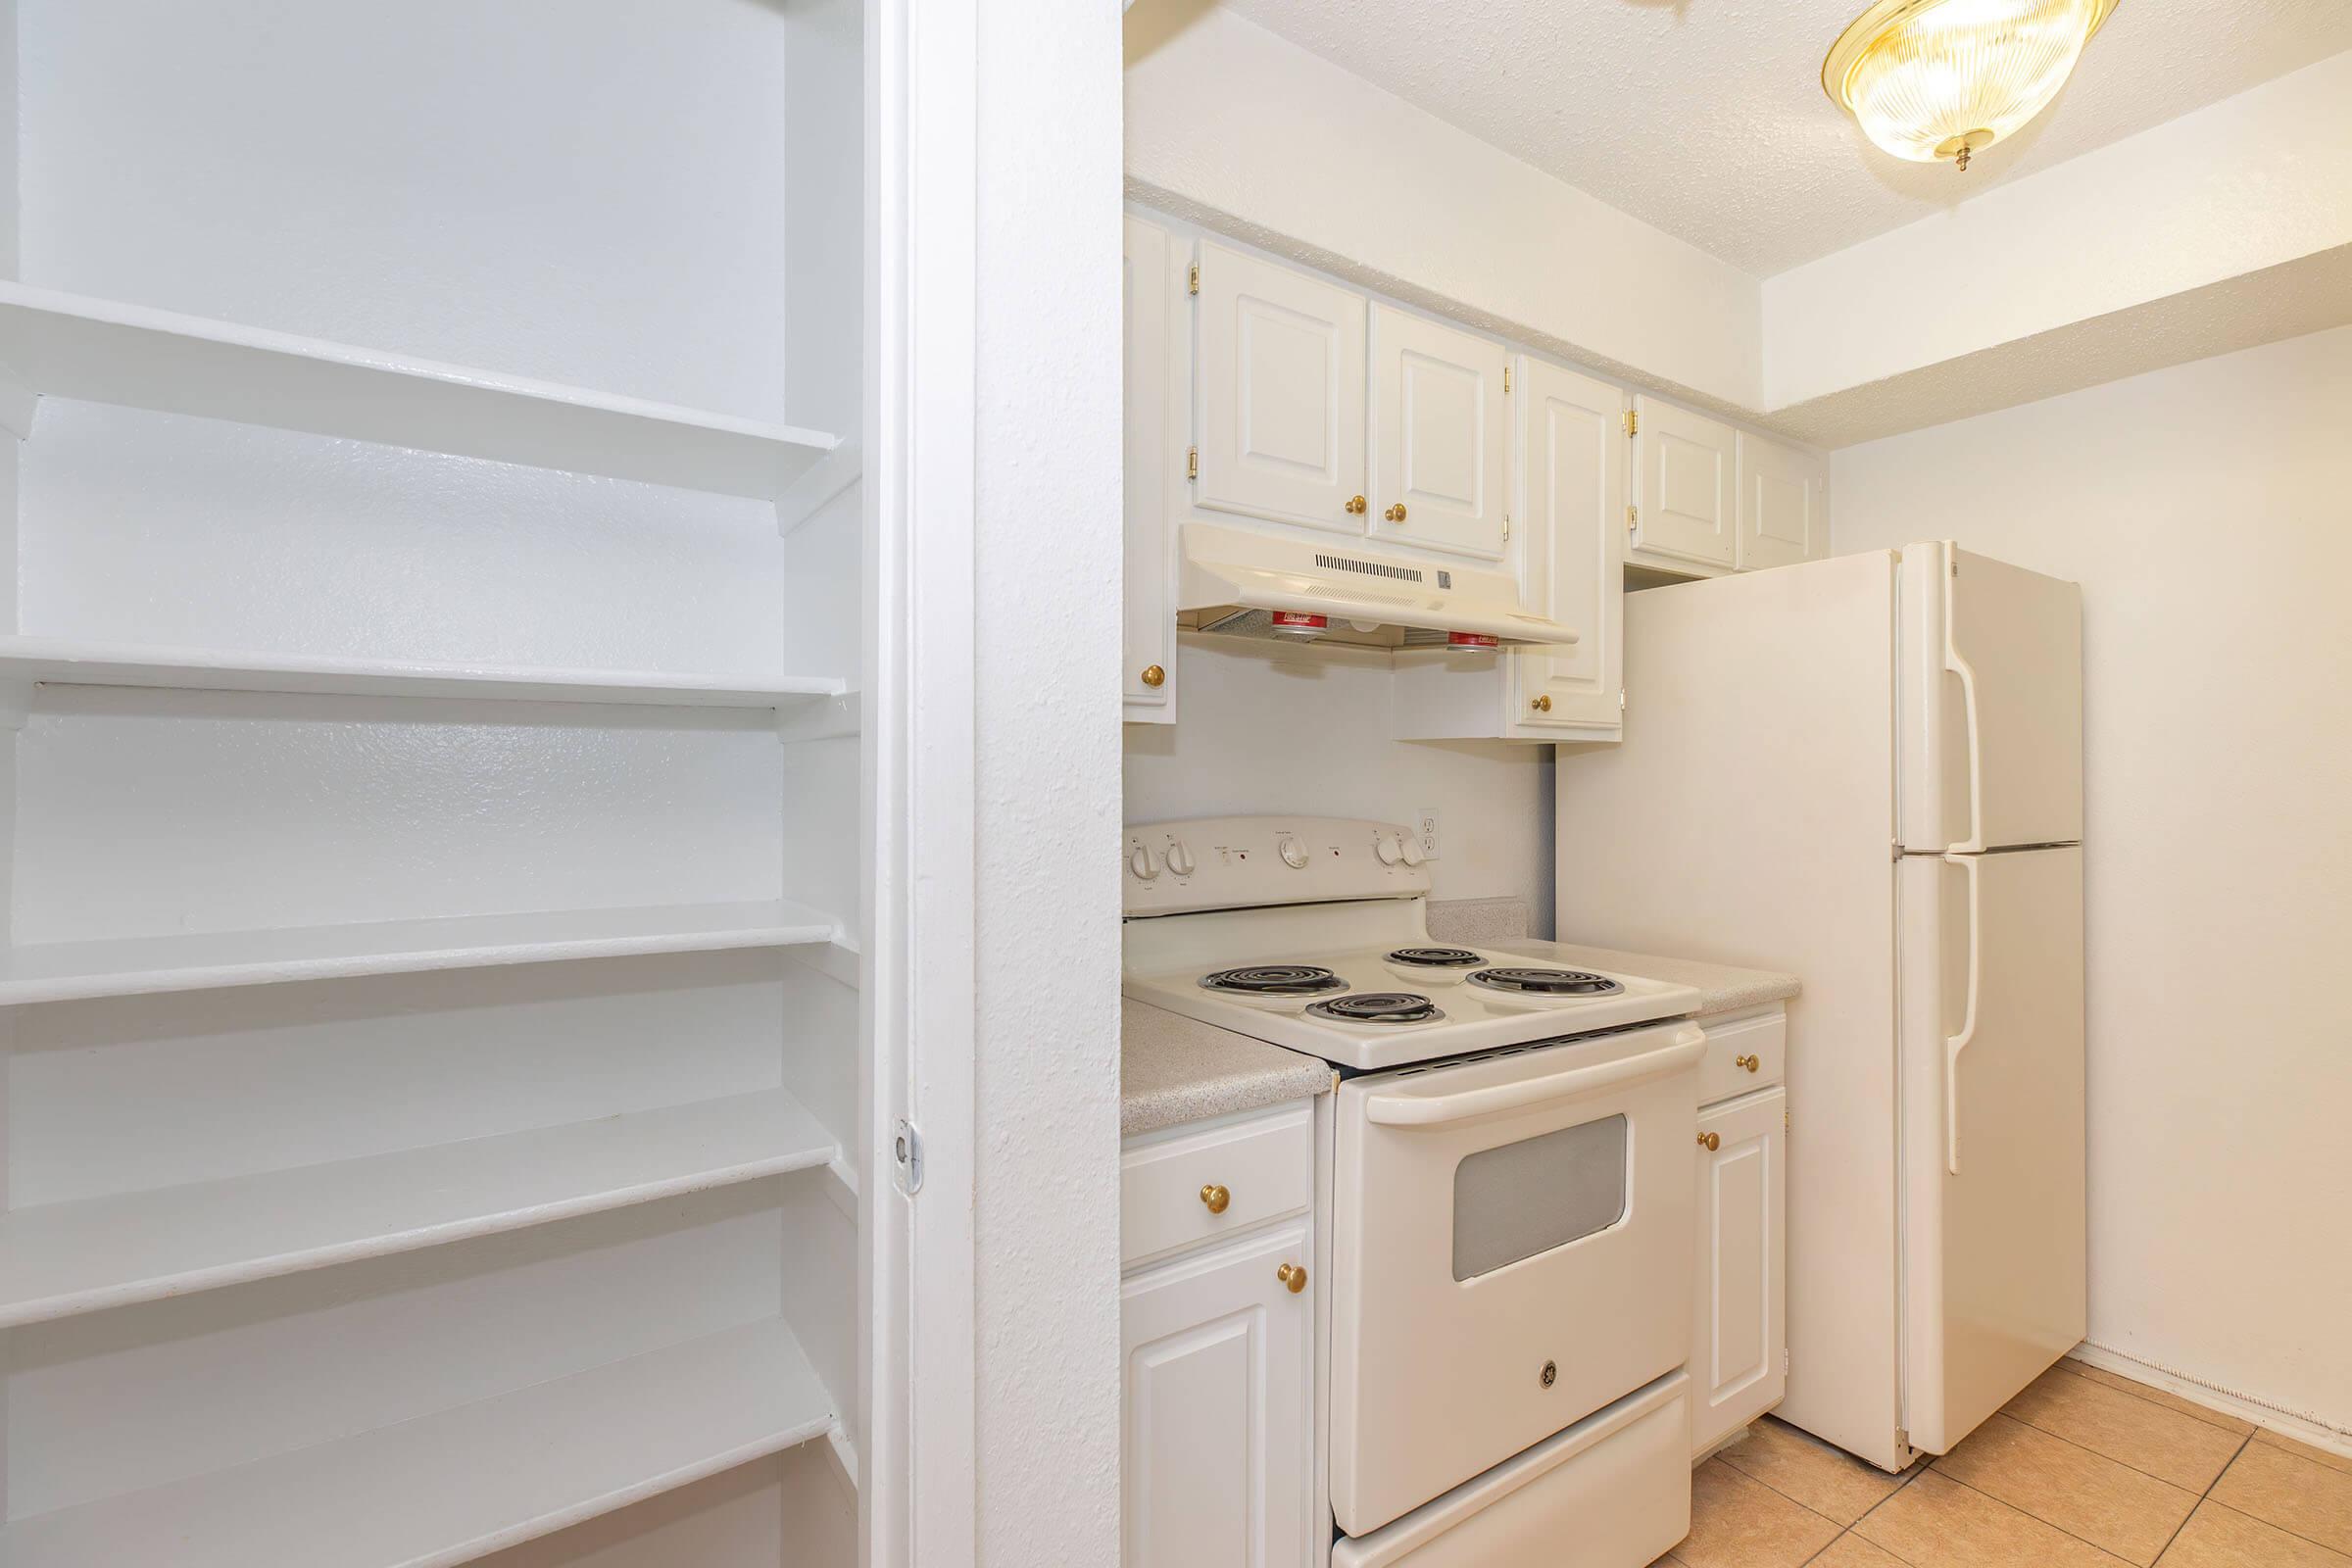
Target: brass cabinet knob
x,y
1154,676
1215,1198
1541,705
1356,505
1395,514
1750,1062
1294,1276
1710,1142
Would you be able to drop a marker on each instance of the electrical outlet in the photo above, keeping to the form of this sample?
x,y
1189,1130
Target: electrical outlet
x,y
1427,826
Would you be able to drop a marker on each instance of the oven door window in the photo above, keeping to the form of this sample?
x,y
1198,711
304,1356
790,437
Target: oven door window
x,y
1529,1196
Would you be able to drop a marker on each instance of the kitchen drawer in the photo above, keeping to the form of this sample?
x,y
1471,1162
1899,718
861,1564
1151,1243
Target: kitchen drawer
x,y
1617,1483
1266,1163
1760,1037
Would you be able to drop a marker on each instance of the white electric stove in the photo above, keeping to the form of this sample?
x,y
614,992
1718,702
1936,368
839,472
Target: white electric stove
x,y
1505,1191
1312,933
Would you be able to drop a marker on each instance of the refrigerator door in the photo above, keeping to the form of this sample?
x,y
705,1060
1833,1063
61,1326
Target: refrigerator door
x,y
1991,744
1993,1130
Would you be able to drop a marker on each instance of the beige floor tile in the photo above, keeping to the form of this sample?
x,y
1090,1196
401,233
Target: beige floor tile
x,y
2170,1401
1853,1551
1739,1523
1831,1483
2297,1494
2216,1537
1936,1522
2280,1439
2130,1430
2084,1493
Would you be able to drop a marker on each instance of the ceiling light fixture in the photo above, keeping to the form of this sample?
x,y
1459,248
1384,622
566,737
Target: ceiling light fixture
x,y
1930,79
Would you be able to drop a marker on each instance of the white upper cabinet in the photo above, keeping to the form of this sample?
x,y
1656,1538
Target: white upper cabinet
x,y
1784,505
1439,436
1280,375
1572,462
1683,489
1156,421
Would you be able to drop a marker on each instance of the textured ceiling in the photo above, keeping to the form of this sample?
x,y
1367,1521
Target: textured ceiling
x,y
1706,117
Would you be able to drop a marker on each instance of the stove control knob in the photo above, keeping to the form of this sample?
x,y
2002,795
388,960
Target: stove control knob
x,y
1180,859
1294,854
1140,865
1412,851
1389,850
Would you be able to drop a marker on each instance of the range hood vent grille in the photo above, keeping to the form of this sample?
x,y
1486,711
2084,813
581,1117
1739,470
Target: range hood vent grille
x,y
1378,569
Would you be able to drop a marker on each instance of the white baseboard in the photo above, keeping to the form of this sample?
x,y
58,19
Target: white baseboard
x,y
2289,1423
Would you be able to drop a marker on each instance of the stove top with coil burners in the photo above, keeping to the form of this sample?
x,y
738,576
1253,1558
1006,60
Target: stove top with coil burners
x,y
1312,933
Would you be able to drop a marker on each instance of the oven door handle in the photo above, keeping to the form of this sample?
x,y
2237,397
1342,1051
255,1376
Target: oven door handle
x,y
1395,1109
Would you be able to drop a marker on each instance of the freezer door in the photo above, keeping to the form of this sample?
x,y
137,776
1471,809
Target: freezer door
x,y
1991,742
1993,1130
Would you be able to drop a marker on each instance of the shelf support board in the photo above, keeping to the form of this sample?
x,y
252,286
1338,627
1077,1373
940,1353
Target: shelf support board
x,y
828,476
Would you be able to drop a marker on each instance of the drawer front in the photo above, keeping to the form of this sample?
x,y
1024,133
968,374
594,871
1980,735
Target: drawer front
x,y
1762,1040
1617,1483
1265,1167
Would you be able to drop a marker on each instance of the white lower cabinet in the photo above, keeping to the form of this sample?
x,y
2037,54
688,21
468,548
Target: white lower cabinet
x,y
1738,1366
1218,1444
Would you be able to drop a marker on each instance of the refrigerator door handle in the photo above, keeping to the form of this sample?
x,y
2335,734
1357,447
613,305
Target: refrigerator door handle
x,y
1957,663
1953,1044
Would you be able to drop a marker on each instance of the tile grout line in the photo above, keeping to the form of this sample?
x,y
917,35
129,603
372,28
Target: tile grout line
x,y
2199,1414
2086,1447
2038,1519
2293,1535
2205,1495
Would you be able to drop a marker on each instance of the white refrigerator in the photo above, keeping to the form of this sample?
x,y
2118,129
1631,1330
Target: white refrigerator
x,y
1867,771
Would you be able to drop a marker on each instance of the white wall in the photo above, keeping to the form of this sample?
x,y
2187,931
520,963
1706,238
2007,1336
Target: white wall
x,y
2207,511
1279,729
1046,687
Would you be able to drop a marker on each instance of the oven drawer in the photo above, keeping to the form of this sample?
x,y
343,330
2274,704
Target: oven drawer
x,y
1617,1483
1251,1172
1761,1037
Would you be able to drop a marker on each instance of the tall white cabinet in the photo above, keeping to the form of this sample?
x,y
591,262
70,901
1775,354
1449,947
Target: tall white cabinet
x,y
435,877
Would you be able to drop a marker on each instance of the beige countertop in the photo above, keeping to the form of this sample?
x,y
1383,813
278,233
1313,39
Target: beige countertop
x,y
1174,1069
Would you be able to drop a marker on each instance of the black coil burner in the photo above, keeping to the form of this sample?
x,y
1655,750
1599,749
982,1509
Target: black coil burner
x,y
1378,1006
1274,980
1437,957
1546,982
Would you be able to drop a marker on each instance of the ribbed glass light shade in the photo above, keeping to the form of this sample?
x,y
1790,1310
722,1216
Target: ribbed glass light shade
x,y
1947,77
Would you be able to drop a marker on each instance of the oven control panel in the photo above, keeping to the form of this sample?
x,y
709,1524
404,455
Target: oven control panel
x,y
1237,862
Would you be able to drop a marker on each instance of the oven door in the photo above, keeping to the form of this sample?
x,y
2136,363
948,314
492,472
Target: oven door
x,y
1511,1252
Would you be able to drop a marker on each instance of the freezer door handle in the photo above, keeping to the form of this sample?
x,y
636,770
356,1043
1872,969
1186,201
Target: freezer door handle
x,y
1957,663
1439,1110
1953,1044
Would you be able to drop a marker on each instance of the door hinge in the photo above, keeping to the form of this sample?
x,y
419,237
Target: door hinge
x,y
1506,380
1507,527
1784,1360
907,1150
1633,519
1633,421
1192,463
1621,699
1193,283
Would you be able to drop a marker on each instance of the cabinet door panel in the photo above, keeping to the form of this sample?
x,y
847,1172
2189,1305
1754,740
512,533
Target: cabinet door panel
x,y
1784,505
1738,1355
1683,489
1441,444
1216,1455
1281,373
1572,464
1152,261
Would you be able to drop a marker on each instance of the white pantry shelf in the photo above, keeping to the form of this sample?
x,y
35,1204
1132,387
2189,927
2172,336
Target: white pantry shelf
x,y
457,1485
103,350
73,971
68,662
93,1253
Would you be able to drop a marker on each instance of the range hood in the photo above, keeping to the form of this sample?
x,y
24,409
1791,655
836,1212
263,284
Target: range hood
x,y
1238,583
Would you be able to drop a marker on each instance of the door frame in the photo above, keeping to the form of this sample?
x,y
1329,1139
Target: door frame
x,y
917,1307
